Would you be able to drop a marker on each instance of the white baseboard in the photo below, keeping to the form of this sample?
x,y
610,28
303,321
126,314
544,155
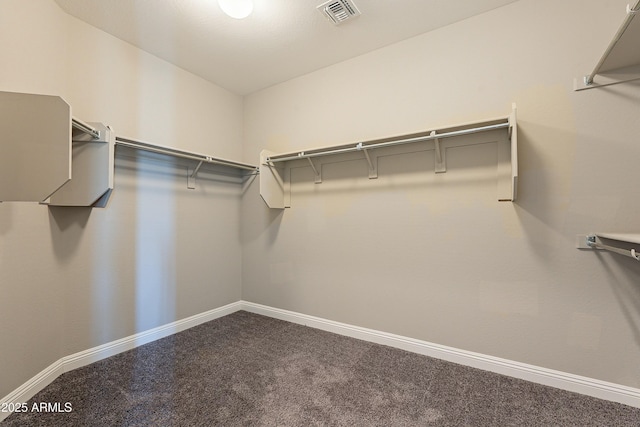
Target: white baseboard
x,y
86,357
562,380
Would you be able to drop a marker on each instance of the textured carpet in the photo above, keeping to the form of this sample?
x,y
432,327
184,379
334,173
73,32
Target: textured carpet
x,y
245,369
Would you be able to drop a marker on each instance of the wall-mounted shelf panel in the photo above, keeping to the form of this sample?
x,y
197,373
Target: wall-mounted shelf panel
x,y
274,170
92,167
272,182
621,60
50,157
35,146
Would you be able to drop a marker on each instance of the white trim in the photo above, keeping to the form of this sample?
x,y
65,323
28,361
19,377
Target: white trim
x,y
27,390
558,379
562,380
86,357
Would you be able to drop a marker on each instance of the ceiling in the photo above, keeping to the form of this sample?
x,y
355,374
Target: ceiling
x,y
282,39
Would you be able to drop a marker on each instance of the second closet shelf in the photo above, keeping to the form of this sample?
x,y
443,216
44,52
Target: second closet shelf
x,y
275,188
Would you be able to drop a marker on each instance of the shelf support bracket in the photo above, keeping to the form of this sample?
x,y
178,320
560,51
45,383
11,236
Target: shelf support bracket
x,y
373,164
441,163
318,175
89,133
620,73
592,241
191,176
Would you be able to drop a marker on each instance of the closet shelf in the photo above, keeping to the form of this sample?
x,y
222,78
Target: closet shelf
x,y
146,146
361,146
92,167
627,240
623,237
274,168
621,60
196,161
35,146
50,157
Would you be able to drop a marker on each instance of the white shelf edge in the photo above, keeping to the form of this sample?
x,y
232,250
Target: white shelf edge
x,y
604,74
622,75
622,237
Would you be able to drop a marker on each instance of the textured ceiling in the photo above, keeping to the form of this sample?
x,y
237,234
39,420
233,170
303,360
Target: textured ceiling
x,y
282,39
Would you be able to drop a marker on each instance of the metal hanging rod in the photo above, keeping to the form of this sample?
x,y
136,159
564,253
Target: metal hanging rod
x,y
83,127
360,146
145,146
631,13
593,243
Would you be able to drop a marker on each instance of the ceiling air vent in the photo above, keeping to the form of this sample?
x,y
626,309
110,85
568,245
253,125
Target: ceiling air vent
x,y
339,11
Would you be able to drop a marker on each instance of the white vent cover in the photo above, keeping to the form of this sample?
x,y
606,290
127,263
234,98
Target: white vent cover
x,y
339,11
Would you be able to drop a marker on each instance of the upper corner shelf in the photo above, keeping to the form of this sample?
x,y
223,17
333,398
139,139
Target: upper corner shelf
x,y
274,185
48,156
34,170
621,60
92,167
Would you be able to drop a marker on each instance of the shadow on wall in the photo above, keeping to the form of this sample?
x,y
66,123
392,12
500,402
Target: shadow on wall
x,y
120,268
68,225
275,222
261,217
153,222
155,254
545,168
624,285
6,215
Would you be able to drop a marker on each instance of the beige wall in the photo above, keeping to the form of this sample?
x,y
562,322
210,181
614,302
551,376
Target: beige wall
x,y
75,278
436,257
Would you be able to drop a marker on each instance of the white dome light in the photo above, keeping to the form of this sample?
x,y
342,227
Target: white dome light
x,y
237,9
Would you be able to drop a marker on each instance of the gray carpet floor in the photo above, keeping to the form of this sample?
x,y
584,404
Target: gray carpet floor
x,y
249,370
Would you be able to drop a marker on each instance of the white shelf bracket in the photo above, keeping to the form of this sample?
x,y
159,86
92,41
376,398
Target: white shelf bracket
x,y
592,241
373,164
191,176
316,172
87,132
441,163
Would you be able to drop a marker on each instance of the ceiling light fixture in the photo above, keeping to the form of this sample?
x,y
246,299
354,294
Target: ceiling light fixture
x,y
237,9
